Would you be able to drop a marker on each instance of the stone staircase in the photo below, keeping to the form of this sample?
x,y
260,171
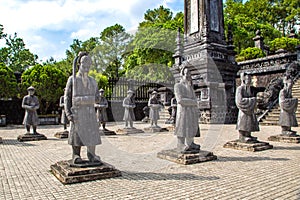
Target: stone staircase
x,y
272,117
163,115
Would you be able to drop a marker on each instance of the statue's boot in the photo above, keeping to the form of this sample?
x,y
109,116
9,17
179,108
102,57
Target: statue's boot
x,y
28,129
246,137
103,126
286,131
291,133
34,130
91,154
76,159
65,127
191,144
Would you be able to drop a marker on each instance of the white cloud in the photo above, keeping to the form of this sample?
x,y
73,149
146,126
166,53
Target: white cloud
x,y
44,24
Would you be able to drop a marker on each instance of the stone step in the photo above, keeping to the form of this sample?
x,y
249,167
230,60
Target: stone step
x,y
268,124
272,118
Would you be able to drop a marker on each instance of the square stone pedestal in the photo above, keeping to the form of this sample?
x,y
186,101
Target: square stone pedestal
x,y
286,139
186,158
62,134
68,175
257,146
106,132
31,137
126,131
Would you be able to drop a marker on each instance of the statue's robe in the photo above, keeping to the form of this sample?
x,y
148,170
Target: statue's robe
x,y
288,106
246,103
129,105
84,131
154,109
101,111
187,111
63,119
31,116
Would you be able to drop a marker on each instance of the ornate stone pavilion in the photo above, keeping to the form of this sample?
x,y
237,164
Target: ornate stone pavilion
x,y
210,59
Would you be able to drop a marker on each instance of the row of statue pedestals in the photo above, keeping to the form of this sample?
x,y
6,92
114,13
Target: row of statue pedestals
x,y
80,100
68,173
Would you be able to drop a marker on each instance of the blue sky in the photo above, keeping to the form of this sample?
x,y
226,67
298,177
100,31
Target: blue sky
x,y
48,27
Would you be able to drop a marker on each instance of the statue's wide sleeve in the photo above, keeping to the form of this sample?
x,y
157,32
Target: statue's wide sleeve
x,y
183,100
68,97
287,104
245,104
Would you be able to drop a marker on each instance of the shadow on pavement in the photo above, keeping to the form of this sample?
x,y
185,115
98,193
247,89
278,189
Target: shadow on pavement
x,y
16,143
286,148
248,159
130,175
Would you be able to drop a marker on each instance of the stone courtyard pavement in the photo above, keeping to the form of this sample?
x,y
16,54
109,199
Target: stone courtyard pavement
x,y
271,174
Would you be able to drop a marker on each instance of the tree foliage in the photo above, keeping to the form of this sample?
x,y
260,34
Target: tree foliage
x,y
154,44
14,54
250,53
274,18
78,46
288,44
109,55
48,81
101,79
8,82
2,34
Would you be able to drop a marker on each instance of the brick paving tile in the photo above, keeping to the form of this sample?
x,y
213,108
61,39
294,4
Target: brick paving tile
x,y
271,174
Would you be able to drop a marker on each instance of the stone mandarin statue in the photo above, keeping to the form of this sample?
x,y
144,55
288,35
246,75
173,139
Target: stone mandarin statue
x,y
154,106
80,97
64,119
187,126
30,103
174,110
288,106
246,102
101,106
129,105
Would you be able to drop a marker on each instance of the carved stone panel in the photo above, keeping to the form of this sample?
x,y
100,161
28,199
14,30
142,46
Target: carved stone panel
x,y
214,15
194,17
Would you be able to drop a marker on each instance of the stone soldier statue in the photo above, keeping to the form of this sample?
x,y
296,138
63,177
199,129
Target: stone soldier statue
x,y
154,106
288,106
174,110
64,119
30,103
129,105
80,98
246,102
101,106
187,126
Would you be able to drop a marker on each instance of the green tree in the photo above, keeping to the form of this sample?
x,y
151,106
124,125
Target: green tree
x,y
15,55
245,18
288,44
101,79
154,44
2,34
286,14
250,53
109,55
8,82
48,81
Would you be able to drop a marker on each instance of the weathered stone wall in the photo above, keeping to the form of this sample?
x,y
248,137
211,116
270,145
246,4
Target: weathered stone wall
x,y
261,81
